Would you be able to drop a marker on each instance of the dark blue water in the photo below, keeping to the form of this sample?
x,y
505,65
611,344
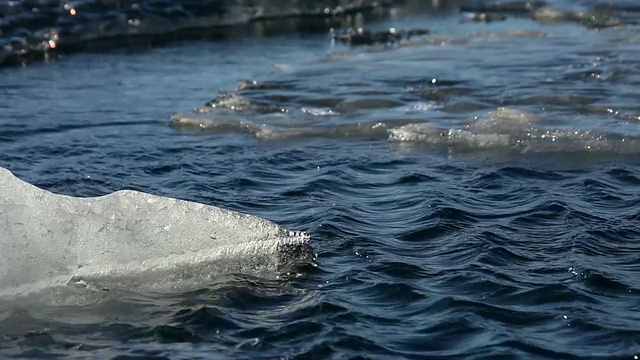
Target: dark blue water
x,y
470,195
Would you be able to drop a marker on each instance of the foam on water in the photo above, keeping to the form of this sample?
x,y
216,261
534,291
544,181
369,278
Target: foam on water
x,y
126,239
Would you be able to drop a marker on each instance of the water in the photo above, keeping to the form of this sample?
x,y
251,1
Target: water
x,y
469,194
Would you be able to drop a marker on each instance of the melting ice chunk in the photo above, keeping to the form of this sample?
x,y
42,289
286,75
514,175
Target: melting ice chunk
x,y
127,239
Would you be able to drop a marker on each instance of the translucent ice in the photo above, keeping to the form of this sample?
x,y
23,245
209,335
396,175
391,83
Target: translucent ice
x,y
126,239
515,130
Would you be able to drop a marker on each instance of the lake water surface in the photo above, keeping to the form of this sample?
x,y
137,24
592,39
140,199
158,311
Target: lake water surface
x,y
473,193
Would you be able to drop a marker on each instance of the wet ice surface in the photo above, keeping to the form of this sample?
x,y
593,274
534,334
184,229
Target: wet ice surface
x,y
128,240
470,194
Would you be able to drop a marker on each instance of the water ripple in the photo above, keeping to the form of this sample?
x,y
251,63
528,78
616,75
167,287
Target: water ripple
x,y
464,200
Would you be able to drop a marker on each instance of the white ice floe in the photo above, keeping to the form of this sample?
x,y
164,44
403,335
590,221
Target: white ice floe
x,y
126,239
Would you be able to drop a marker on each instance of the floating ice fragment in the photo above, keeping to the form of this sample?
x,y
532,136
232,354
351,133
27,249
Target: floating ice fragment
x,y
128,239
515,130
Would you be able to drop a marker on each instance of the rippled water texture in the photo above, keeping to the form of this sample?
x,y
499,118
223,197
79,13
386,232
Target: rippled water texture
x,y
470,193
